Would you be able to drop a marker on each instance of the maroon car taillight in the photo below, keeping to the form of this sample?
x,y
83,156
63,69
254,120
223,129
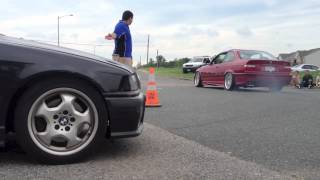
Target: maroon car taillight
x,y
250,67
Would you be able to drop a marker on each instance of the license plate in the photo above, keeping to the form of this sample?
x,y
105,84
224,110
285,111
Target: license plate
x,y
269,68
188,70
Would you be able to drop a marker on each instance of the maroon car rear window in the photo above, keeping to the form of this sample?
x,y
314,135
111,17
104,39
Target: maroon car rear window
x,y
256,55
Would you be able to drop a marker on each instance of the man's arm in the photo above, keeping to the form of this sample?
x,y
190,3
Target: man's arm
x,y
118,31
111,36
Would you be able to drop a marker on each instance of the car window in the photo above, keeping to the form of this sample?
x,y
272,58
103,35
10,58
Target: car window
x,y
229,57
306,67
256,55
196,60
315,67
205,60
220,59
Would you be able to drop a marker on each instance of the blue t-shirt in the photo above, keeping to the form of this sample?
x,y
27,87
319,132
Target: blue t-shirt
x,y
123,41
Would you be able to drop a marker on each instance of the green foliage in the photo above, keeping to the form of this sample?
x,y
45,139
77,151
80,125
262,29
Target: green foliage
x,y
314,74
169,68
162,62
174,72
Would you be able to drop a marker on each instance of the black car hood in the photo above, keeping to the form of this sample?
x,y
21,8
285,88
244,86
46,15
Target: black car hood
x,y
35,44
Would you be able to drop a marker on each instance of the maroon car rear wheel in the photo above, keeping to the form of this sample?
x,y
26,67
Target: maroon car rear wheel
x,y
229,82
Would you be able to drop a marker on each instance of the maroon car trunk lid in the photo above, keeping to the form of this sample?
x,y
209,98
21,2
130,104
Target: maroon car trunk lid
x,y
267,66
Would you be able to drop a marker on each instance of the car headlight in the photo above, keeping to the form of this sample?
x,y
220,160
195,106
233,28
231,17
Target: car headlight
x,y
130,83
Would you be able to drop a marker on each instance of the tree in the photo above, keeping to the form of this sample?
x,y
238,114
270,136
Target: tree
x,y
161,60
151,62
182,61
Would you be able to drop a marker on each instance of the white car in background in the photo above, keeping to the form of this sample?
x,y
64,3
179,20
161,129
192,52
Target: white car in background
x,y
195,63
304,67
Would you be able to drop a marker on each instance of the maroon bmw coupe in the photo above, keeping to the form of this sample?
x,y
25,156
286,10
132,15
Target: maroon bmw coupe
x,y
244,68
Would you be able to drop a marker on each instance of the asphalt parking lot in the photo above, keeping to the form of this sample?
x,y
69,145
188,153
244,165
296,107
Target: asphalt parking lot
x,y
156,154
279,131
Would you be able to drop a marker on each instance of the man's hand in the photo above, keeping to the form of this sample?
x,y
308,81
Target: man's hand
x,y
109,37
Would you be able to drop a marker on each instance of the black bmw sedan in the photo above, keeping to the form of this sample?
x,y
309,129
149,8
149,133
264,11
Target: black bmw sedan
x,y
61,103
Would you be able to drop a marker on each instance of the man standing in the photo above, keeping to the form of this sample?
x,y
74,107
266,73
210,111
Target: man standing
x,y
122,39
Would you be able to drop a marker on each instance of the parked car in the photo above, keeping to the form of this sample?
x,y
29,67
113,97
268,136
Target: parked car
x,y
195,63
244,68
61,103
304,67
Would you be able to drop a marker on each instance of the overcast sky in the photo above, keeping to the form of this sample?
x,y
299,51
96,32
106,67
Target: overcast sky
x,y
178,29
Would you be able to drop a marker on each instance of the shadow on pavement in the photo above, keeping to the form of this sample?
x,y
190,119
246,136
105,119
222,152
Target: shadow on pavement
x,y
110,149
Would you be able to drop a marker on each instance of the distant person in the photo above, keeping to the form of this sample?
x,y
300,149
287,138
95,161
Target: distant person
x,y
296,79
294,62
307,80
122,39
318,81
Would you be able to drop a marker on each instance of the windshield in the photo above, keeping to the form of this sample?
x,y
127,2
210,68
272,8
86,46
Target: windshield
x,y
196,60
256,55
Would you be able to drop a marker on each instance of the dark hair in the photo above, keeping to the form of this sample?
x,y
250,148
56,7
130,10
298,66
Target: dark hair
x,y
127,15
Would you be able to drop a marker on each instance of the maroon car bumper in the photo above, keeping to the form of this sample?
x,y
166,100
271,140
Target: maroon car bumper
x,y
248,79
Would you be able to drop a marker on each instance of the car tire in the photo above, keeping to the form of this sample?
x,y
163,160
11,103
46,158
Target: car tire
x,y
229,82
197,79
59,121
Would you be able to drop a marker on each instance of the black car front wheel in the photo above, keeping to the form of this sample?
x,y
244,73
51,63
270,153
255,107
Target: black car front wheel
x,y
58,121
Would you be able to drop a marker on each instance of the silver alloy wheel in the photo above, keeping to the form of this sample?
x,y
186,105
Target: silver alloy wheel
x,y
228,81
197,79
63,121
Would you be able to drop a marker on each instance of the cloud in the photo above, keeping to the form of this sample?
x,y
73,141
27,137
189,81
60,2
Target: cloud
x,y
34,35
290,45
74,36
245,31
189,30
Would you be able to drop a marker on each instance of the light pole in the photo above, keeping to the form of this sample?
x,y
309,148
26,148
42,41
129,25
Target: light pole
x,y
59,17
148,49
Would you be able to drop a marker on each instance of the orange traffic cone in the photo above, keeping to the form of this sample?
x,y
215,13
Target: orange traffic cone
x,y
152,99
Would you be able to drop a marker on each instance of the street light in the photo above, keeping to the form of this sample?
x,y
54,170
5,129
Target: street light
x,y
59,17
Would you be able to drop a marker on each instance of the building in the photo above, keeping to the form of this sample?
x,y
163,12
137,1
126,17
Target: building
x,y
302,57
